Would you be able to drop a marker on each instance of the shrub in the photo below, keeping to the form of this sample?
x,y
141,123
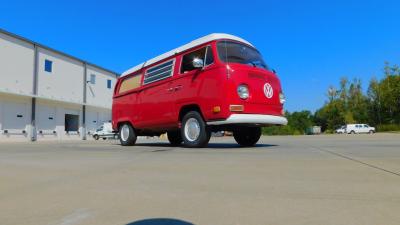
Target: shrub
x,y
388,127
280,130
329,131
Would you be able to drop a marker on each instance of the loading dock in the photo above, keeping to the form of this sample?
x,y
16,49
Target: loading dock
x,y
46,120
71,123
14,116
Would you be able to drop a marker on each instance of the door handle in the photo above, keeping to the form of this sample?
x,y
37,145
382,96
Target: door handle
x,y
177,88
170,89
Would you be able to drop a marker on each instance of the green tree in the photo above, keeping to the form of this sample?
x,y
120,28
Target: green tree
x,y
331,115
389,89
380,106
300,121
356,108
374,102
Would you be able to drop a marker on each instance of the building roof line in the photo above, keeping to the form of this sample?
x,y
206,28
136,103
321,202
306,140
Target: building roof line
x,y
56,51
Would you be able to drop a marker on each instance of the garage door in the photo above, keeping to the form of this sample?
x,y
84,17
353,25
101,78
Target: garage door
x,y
46,118
92,121
15,116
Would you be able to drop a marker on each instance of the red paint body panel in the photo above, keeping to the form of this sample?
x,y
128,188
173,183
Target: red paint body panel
x,y
155,107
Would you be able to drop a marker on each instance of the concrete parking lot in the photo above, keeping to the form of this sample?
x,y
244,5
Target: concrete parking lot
x,y
321,180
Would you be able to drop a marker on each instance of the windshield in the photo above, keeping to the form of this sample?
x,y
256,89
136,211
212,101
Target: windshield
x,y
233,52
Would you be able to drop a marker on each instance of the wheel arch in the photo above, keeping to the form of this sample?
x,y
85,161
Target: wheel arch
x,y
120,123
187,108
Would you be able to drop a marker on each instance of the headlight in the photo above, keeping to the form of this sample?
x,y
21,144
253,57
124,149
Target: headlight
x,y
282,98
243,91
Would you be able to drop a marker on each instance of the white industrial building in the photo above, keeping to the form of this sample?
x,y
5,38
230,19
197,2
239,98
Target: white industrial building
x,y
45,93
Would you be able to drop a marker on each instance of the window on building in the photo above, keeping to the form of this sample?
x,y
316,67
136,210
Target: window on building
x,y
109,84
48,66
204,54
92,78
159,72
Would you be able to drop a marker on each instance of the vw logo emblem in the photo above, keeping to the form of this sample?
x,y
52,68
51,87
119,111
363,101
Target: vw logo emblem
x,y
268,91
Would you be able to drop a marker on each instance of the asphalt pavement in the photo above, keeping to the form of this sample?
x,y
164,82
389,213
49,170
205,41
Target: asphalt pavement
x,y
321,180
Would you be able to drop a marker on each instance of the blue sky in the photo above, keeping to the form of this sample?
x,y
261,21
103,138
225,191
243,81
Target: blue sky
x,y
311,44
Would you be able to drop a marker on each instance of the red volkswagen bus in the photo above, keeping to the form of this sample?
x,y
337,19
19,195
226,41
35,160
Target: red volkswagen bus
x,y
219,82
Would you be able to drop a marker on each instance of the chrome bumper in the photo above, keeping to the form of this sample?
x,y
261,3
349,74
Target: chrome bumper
x,y
251,119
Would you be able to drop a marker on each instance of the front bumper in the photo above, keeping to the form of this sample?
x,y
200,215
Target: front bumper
x,y
257,119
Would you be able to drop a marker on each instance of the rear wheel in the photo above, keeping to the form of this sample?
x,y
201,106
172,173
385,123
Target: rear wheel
x,y
127,135
174,137
247,136
352,132
194,130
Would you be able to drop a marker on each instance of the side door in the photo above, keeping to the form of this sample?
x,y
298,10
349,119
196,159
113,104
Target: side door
x,y
358,128
156,97
189,80
365,128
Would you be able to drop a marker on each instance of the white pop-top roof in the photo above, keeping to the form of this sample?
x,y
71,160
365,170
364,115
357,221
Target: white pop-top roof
x,y
202,40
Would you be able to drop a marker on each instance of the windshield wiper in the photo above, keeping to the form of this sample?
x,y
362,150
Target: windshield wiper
x,y
254,65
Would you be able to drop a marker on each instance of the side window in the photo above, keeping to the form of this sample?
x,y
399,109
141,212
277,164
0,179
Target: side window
x,y
209,56
159,72
204,54
129,83
109,84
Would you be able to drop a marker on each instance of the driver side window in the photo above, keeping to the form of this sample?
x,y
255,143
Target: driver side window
x,y
204,54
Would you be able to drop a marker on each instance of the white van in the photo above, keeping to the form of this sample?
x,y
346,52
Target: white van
x,y
359,129
341,130
104,132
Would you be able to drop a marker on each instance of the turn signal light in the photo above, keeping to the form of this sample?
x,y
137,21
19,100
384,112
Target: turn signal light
x,y
216,109
282,98
236,108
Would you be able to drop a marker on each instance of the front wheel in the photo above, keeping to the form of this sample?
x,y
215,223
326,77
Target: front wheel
x,y
96,137
371,132
247,136
194,130
127,135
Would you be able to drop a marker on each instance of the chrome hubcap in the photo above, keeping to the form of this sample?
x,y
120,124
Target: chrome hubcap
x,y
124,132
192,129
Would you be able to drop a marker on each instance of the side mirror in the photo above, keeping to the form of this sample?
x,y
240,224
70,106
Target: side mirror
x,y
198,63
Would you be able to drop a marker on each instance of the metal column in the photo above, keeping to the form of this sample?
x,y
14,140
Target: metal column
x,y
32,130
83,132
